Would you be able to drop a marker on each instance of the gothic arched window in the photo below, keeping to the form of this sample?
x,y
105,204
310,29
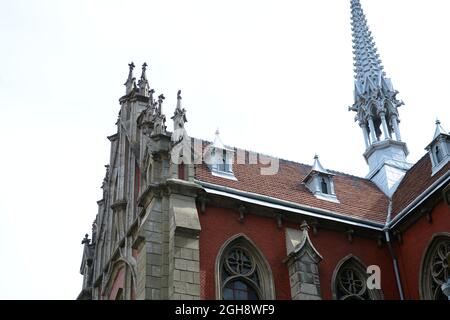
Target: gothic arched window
x,y
435,268
350,281
242,272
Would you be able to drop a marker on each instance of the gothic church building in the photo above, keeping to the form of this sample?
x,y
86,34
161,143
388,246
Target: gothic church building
x,y
183,218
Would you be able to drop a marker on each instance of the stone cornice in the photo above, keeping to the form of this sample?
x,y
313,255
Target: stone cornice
x,y
183,187
113,137
383,144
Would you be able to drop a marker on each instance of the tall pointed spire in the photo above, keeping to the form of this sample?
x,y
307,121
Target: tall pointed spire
x,y
375,98
179,116
131,81
159,126
179,119
367,61
143,82
376,104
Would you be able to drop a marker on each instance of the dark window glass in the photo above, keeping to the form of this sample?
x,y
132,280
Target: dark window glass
x,y
438,154
239,290
324,186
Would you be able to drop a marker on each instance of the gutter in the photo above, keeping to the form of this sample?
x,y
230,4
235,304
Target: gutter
x,y
392,253
421,198
286,205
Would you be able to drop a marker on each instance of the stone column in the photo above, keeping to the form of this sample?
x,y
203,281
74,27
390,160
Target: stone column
x,y
372,130
394,123
366,136
184,230
384,124
302,263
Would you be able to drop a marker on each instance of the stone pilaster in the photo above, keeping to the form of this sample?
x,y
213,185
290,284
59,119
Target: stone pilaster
x,y
184,262
302,262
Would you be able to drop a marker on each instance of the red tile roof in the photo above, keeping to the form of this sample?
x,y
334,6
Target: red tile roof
x,y
359,198
415,181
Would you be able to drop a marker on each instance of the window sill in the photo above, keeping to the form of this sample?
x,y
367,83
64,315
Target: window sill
x,y
327,197
223,174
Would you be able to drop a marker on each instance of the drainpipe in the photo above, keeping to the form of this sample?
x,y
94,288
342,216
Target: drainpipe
x,y
391,251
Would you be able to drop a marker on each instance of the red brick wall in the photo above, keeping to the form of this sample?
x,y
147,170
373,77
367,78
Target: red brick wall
x,y
219,224
118,283
415,241
334,246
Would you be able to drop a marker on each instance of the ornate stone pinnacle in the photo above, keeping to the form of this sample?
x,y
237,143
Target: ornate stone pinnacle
x,y
144,66
86,239
366,59
304,226
131,65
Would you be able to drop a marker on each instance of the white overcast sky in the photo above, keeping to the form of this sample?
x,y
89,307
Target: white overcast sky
x,y
275,76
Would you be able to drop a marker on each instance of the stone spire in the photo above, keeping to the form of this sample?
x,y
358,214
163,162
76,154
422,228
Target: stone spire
x,y
159,118
179,119
375,104
375,98
130,84
367,61
143,82
180,113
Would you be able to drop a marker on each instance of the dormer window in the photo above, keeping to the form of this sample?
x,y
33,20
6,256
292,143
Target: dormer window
x,y
320,182
220,159
439,149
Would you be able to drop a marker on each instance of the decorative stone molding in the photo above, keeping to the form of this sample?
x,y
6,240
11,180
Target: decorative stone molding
x,y
302,262
242,211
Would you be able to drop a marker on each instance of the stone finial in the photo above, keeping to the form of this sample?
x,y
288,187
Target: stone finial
x,y
439,129
86,239
131,81
159,118
143,82
180,113
317,166
304,226
179,119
